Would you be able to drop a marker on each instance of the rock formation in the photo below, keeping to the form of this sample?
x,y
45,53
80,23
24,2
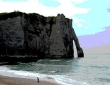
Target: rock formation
x,y
35,35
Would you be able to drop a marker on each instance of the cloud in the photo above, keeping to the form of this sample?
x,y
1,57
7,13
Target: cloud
x,y
94,40
70,1
71,10
78,20
67,7
79,25
29,6
108,9
81,22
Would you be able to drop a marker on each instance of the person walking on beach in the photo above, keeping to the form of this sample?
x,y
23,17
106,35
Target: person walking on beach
x,y
38,80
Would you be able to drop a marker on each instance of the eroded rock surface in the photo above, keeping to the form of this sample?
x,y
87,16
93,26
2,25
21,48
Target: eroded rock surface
x,y
35,35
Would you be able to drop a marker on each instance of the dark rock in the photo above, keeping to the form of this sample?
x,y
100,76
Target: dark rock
x,y
33,34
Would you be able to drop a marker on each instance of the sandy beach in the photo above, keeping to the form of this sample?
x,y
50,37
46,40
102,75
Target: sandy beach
x,y
5,80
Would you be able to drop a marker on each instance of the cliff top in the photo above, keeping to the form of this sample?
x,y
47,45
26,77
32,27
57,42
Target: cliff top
x,y
5,15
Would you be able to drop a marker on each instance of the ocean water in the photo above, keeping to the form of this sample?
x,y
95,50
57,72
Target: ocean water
x,y
90,70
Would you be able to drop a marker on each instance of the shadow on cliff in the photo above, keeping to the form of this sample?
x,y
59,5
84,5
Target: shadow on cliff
x,y
29,37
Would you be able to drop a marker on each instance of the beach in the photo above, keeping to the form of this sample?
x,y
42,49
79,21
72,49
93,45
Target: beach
x,y
6,80
9,77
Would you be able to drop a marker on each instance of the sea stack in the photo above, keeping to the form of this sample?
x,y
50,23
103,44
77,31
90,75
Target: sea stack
x,y
32,34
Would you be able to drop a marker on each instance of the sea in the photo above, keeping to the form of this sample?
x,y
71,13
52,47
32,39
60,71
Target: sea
x,y
93,69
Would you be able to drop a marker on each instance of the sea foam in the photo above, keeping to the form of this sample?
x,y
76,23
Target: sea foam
x,y
62,79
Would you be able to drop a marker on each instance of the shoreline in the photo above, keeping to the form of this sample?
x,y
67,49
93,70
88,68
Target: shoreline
x,y
7,78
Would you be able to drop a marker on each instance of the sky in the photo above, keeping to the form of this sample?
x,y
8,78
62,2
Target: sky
x,y
91,18
99,40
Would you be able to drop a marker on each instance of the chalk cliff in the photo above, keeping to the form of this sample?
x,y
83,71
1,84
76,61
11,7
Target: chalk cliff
x,y
35,35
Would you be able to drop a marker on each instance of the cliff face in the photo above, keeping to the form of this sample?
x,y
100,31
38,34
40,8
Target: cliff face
x,y
36,35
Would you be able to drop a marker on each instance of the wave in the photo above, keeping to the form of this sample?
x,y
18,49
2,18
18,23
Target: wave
x,y
55,60
62,79
67,79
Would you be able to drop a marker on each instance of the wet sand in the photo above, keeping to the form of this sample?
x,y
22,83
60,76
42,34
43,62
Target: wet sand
x,y
5,80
